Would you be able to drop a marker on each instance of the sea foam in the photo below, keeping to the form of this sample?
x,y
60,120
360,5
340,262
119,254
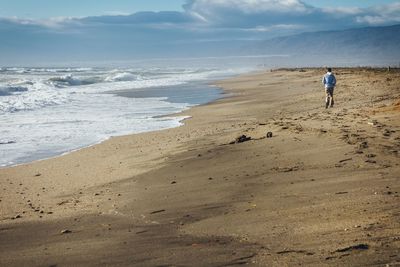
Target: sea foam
x,y
46,112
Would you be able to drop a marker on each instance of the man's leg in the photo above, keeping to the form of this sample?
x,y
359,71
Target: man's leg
x,y
331,94
327,97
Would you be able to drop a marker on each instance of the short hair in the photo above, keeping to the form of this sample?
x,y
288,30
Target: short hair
x,y
329,69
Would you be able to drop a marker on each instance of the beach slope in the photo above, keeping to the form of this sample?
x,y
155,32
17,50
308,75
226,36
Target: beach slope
x,y
322,191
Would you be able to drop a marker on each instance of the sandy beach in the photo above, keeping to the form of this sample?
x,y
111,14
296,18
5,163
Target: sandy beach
x,y
323,191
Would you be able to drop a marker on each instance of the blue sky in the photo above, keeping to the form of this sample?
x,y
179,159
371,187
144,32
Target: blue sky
x,y
347,3
59,30
56,8
81,8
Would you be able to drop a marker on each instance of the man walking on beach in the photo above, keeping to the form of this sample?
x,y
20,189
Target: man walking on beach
x,y
329,81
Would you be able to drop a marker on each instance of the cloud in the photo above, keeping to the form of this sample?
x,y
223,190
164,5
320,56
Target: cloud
x,y
54,22
212,7
278,27
147,34
380,15
247,13
269,14
141,18
342,11
260,14
238,14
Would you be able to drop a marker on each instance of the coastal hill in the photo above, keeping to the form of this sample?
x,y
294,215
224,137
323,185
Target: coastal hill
x,y
378,45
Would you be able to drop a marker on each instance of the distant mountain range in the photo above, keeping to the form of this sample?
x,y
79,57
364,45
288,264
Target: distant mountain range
x,y
118,41
371,45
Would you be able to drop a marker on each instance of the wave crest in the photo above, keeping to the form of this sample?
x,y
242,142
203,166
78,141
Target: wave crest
x,y
121,77
70,80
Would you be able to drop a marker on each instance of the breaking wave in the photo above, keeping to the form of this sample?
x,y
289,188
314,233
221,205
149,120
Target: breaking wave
x,y
121,77
29,89
70,80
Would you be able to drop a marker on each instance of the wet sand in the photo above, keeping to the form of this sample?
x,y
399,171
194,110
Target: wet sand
x,y
323,191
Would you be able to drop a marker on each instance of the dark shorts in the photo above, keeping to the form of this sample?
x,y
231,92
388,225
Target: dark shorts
x,y
329,91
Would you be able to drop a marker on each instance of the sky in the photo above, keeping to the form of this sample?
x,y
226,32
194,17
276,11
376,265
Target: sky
x,y
59,30
347,3
81,8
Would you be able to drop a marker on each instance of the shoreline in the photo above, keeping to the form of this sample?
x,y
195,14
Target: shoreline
x,y
95,144
128,93
173,197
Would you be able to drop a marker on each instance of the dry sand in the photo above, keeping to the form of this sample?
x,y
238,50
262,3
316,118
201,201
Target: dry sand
x,y
323,191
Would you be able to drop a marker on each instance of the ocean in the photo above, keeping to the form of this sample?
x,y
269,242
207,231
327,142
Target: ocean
x,y
46,112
